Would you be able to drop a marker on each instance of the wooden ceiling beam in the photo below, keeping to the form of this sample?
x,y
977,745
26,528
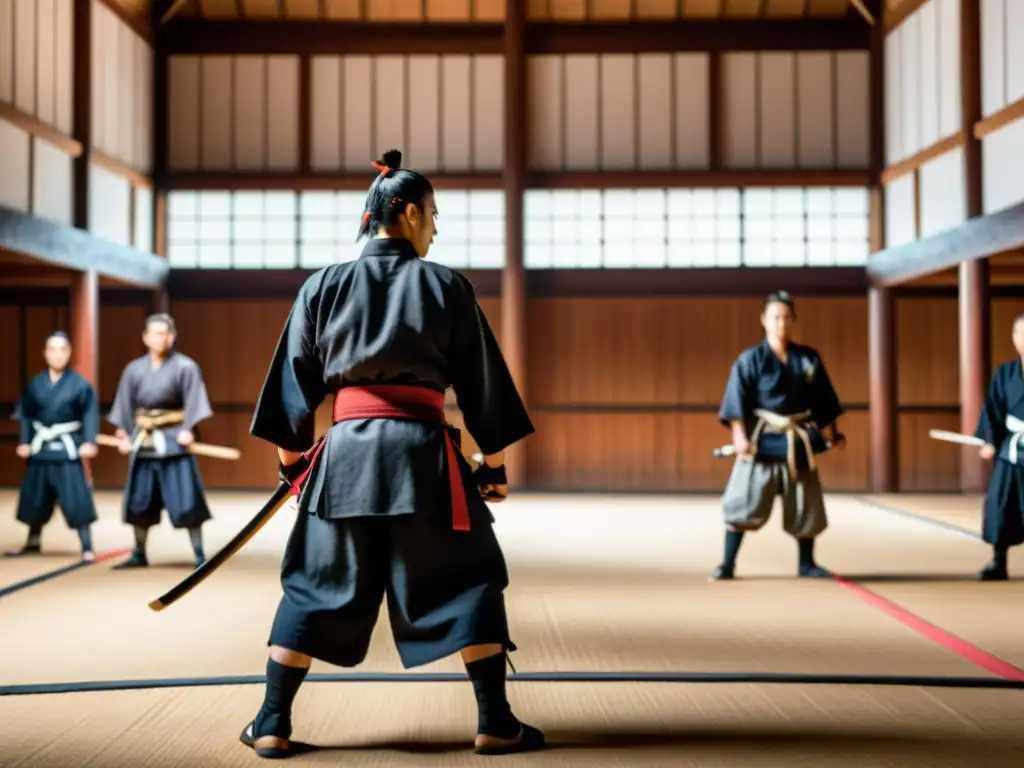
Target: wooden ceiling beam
x,y
52,244
220,284
359,181
979,238
207,36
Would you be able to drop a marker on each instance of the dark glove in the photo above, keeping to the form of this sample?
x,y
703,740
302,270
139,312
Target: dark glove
x,y
290,473
485,475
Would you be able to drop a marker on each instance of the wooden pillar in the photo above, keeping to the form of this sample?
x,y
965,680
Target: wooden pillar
x,y
159,110
975,355
513,278
85,313
82,110
85,290
884,446
883,426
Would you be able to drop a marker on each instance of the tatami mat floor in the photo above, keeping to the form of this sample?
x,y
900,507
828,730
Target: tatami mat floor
x,y
599,583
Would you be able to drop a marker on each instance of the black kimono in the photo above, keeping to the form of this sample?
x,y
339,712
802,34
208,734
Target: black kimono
x,y
1002,425
154,406
783,406
376,508
56,418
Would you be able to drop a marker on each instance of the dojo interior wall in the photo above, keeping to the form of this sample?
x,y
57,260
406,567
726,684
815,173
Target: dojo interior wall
x,y
778,110
925,187
37,136
624,392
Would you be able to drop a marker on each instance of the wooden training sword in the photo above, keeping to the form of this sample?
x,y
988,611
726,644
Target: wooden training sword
x,y
199,449
955,437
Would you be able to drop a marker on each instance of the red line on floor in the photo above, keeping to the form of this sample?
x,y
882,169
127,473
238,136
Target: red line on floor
x,y
112,554
950,642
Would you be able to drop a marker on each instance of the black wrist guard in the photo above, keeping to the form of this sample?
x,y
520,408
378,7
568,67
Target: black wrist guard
x,y
290,473
485,475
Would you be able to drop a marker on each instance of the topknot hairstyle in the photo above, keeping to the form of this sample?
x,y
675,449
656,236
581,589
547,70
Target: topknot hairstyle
x,y
393,189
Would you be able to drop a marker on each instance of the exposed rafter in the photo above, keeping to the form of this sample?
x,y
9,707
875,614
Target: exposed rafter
x,y
70,248
979,238
211,36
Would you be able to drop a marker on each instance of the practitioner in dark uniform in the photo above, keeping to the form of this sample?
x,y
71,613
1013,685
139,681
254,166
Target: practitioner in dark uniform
x,y
1001,426
387,505
59,416
778,401
160,399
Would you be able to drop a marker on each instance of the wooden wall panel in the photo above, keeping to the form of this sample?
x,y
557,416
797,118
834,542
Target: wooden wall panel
x,y
922,79
142,225
618,112
35,59
692,129
942,196
52,192
655,116
110,206
1002,54
900,212
928,369
789,110
1002,172
122,90
234,112
445,112
24,56
926,464
7,51
15,170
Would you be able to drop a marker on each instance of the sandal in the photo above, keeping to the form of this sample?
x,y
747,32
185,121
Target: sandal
x,y
270,753
530,739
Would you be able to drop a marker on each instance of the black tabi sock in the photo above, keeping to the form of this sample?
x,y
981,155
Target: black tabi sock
x,y
275,716
733,539
806,552
495,716
999,556
196,537
141,534
35,535
85,536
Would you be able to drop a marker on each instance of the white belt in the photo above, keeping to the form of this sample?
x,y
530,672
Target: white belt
x,y
1016,429
792,427
55,433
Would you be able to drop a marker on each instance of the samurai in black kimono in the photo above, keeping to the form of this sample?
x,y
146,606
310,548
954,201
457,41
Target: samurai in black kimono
x,y
1001,426
59,416
778,400
388,507
160,399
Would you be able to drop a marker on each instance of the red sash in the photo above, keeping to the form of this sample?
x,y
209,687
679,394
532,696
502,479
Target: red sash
x,y
392,401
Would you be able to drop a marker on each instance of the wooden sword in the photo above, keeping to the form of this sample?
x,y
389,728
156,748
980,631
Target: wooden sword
x,y
199,449
955,437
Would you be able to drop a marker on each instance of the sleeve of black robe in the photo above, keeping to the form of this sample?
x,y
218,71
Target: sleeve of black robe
x,y
24,412
825,405
992,422
285,413
90,413
486,394
739,397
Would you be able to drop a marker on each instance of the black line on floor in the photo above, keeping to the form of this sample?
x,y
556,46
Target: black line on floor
x,y
30,582
749,678
919,518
